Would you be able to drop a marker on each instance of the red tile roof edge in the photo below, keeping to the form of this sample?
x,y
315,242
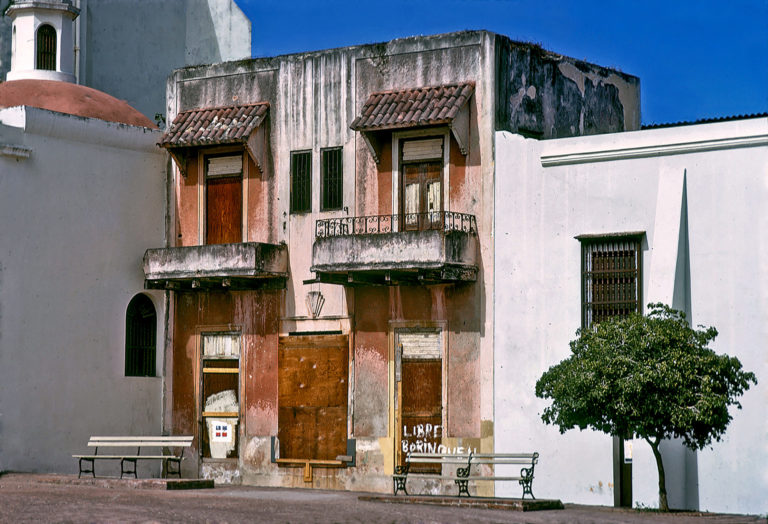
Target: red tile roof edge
x,y
399,112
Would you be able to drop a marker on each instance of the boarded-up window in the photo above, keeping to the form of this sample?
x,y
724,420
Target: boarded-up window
x,y
420,150
301,181
46,48
421,344
140,337
224,199
611,282
220,392
312,396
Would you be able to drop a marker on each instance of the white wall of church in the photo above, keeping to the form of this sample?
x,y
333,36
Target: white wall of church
x,y
75,219
699,194
129,48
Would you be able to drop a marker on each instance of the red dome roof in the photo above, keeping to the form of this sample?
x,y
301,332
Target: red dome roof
x,y
73,99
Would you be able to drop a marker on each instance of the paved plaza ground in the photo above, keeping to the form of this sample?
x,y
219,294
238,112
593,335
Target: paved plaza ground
x,y
61,498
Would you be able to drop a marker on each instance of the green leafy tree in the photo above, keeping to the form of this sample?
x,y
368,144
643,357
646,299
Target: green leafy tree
x,y
651,377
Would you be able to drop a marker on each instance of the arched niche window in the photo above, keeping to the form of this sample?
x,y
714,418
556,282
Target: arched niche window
x,y
140,337
46,48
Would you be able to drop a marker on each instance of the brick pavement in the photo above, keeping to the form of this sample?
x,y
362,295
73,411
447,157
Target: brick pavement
x,y
62,498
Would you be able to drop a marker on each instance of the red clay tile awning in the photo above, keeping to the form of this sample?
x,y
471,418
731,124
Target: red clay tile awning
x,y
214,127
417,107
421,106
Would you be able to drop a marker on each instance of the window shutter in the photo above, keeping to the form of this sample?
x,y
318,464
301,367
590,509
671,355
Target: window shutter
x,y
221,345
225,166
421,345
417,150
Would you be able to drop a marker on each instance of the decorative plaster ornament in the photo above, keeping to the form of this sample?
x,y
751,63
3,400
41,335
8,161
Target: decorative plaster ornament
x,y
315,301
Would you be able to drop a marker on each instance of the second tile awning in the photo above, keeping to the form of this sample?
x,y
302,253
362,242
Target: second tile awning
x,y
218,126
445,104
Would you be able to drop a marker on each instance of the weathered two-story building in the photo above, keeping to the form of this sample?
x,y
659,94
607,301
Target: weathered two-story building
x,y
330,255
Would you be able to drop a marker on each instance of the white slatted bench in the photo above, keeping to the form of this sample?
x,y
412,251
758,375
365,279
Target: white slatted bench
x,y
135,444
463,474
460,459
525,479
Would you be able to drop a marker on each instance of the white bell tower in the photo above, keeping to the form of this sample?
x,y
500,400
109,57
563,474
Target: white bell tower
x,y
42,40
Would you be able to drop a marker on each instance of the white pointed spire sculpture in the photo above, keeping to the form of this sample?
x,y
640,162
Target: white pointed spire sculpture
x,y
42,40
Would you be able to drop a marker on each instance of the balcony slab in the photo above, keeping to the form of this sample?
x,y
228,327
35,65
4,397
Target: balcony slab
x,y
245,265
428,256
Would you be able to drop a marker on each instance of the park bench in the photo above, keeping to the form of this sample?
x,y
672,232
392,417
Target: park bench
x,y
463,471
134,444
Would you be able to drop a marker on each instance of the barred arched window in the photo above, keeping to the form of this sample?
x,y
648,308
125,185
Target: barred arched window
x,y
140,337
46,48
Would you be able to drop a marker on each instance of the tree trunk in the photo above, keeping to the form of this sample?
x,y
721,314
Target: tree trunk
x,y
663,504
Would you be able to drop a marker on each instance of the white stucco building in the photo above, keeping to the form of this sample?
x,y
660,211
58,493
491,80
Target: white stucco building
x,y
78,198
127,48
693,196
82,193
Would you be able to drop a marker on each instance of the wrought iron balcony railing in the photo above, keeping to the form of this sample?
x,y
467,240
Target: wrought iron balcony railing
x,y
381,224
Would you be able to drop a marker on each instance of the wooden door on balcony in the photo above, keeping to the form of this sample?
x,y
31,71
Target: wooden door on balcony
x,y
224,200
422,194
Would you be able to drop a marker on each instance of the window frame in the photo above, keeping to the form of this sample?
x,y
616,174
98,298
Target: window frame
x,y
398,137
208,367
325,179
395,329
140,359
46,45
306,198
612,243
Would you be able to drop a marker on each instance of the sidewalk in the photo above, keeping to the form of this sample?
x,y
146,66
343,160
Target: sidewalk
x,y
64,498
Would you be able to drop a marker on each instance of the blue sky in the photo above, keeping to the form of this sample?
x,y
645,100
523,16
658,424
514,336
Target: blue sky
x,y
695,59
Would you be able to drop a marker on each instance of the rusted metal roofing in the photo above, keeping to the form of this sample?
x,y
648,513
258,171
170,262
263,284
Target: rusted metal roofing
x,y
214,126
421,106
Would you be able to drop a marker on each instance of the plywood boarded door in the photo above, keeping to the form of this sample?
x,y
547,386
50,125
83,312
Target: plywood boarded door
x,y
312,396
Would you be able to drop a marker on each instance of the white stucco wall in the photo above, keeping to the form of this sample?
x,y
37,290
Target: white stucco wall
x,y
129,48
554,190
75,219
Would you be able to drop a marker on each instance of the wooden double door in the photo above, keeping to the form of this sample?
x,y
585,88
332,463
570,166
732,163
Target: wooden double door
x,y
422,197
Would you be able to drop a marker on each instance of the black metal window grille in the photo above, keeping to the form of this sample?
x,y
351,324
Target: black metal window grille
x,y
46,48
332,177
140,337
301,181
611,278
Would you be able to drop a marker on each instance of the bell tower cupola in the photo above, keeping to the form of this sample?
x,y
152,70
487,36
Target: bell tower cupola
x,y
42,40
